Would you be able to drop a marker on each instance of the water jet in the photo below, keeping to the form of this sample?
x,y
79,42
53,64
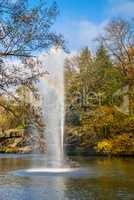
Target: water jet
x,y
52,92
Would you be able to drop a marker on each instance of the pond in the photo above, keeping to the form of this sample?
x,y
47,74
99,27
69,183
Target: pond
x,y
108,179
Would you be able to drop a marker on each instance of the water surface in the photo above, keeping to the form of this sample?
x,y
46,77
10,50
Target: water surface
x,y
108,179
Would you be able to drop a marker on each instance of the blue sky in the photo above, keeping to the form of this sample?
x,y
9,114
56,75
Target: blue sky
x,y
83,9
80,21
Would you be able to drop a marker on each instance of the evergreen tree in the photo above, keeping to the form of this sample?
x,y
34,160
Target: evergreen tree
x,y
108,78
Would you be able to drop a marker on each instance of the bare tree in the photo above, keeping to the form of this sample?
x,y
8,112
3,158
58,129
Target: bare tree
x,y
25,30
119,40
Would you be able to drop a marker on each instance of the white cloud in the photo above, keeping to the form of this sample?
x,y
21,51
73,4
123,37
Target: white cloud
x,y
89,31
82,33
123,8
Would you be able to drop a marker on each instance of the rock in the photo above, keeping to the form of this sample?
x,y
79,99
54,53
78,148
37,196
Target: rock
x,y
12,133
14,141
26,149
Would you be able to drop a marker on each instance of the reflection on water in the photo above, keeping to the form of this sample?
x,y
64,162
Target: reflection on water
x,y
38,188
109,179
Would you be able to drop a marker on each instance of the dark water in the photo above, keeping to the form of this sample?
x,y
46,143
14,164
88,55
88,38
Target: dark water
x,y
108,179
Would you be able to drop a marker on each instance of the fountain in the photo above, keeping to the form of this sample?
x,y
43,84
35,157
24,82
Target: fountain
x,y
53,111
52,92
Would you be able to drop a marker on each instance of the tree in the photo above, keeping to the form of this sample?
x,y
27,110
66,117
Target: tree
x,y
119,40
108,78
71,80
27,107
86,70
25,30
96,122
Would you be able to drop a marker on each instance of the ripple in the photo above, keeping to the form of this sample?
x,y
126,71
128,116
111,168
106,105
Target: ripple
x,y
72,172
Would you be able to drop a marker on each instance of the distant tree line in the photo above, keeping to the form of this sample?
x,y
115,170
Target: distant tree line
x,y
100,89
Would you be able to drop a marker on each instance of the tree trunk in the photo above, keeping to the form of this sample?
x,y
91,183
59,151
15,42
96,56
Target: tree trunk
x,y
131,98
